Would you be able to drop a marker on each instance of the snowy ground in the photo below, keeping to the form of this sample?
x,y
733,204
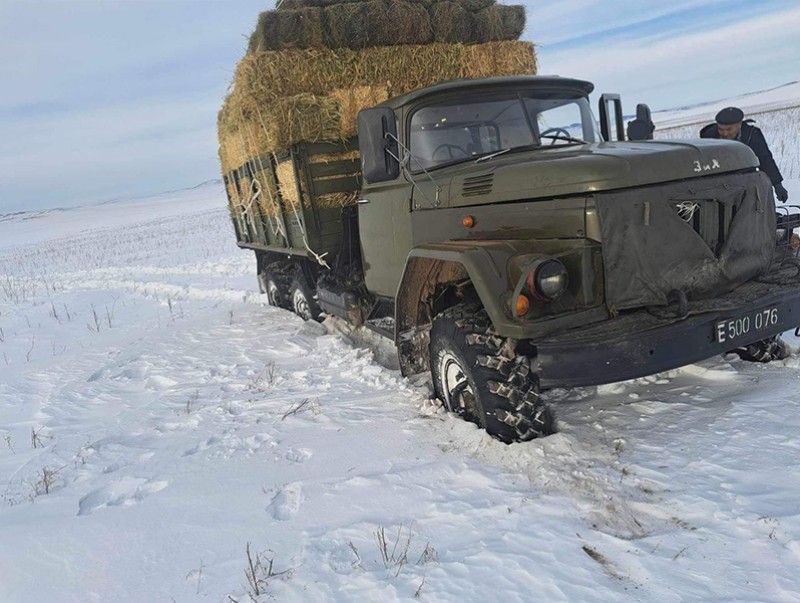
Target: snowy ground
x,y
157,420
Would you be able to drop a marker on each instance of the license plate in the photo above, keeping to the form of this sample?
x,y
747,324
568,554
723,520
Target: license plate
x,y
752,322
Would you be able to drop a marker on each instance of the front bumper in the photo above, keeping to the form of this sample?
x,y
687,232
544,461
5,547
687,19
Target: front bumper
x,y
638,343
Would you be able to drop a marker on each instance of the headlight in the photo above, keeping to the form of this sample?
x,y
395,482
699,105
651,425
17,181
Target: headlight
x,y
548,280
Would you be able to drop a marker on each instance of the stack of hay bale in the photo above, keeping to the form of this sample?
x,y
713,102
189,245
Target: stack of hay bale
x,y
312,65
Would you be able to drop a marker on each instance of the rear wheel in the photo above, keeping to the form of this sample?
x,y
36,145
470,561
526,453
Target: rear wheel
x,y
302,299
274,283
477,375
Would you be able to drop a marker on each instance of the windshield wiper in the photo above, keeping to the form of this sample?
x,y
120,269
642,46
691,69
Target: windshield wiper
x,y
490,155
567,138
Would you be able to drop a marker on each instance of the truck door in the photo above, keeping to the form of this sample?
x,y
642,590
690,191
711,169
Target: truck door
x,y
384,224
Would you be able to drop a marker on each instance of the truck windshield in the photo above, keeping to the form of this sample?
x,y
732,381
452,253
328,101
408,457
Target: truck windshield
x,y
457,131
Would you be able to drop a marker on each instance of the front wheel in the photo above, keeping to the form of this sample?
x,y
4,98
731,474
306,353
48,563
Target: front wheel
x,y
477,375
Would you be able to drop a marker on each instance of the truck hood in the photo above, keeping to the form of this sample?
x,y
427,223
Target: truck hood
x,y
581,169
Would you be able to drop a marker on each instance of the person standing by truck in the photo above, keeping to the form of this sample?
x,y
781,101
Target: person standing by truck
x,y
731,125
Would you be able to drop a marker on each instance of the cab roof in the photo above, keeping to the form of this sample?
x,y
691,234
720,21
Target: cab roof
x,y
543,82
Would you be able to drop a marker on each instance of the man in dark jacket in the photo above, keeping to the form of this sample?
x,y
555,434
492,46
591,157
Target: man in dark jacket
x,y
731,125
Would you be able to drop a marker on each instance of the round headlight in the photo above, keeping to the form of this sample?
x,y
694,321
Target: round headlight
x,y
548,280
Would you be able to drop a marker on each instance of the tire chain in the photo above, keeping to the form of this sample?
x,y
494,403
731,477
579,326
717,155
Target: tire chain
x,y
496,353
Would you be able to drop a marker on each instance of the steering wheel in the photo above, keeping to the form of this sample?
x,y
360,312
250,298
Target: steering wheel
x,y
555,134
449,148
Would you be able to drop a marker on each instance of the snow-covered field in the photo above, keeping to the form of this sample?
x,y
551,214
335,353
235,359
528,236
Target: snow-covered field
x,y
165,436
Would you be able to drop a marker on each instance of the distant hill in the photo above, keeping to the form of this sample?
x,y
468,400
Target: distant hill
x,y
782,97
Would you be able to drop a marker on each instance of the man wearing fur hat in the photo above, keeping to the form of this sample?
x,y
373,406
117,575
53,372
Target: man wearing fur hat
x,y
731,125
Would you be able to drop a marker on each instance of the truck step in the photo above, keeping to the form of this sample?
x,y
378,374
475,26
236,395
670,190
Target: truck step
x,y
382,326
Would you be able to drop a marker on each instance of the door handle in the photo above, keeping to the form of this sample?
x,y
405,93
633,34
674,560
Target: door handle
x,y
362,201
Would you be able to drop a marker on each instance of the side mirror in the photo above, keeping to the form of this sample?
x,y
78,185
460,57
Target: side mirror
x,y
605,117
642,127
377,143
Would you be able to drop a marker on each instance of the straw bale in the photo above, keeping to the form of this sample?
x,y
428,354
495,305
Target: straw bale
x,y
330,200
453,22
400,22
377,23
476,5
347,26
267,203
351,101
329,157
500,22
295,4
287,185
263,77
303,117
281,98
499,58
281,29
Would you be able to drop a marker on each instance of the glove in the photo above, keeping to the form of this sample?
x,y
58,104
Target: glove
x,y
781,193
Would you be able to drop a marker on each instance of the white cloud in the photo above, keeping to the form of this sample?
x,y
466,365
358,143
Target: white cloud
x,y
750,55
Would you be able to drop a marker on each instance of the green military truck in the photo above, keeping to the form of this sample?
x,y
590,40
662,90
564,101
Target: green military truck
x,y
507,244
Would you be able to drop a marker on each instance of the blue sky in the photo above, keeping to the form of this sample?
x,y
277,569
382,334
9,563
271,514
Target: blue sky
x,y
107,99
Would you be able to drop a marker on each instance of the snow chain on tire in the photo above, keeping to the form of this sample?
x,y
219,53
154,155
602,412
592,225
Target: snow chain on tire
x,y
506,389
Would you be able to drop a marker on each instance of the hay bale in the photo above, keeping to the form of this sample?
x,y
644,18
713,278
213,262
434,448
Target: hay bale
x,y
346,26
295,4
287,185
377,23
329,200
475,5
351,101
453,22
498,58
399,22
281,98
265,76
281,29
267,203
500,22
303,117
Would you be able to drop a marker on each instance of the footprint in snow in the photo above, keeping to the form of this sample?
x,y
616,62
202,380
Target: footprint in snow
x,y
286,502
298,455
124,492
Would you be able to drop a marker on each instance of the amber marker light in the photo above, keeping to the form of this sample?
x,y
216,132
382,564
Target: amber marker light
x,y
523,305
794,241
468,221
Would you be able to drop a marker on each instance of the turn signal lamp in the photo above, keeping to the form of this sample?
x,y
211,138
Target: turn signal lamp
x,y
523,305
468,221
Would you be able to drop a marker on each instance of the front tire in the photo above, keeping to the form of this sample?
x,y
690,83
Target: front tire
x,y
477,375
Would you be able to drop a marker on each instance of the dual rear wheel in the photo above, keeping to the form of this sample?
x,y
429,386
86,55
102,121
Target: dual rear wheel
x,y
286,286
